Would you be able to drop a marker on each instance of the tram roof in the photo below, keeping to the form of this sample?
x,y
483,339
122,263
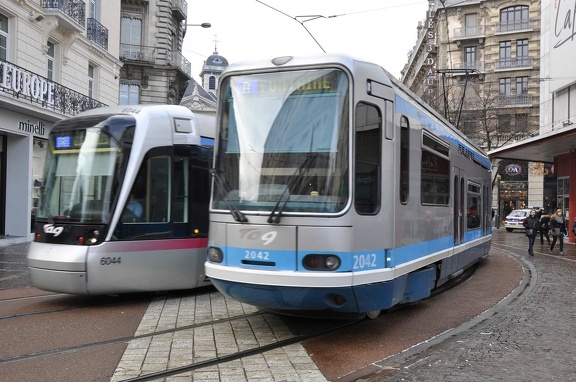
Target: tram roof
x,y
541,148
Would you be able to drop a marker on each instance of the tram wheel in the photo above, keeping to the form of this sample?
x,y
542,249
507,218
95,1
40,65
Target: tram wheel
x,y
509,229
373,314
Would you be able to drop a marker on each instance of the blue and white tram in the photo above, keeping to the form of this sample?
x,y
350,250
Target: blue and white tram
x,y
124,203
337,189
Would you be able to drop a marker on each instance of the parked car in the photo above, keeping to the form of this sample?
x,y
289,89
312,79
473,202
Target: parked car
x,y
515,219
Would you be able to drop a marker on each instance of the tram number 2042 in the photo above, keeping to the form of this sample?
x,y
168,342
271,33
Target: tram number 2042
x,y
365,261
110,260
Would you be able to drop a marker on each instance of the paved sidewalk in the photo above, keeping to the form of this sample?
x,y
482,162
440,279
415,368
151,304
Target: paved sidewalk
x,y
532,339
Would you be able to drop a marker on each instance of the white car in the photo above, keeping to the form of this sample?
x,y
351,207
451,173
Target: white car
x,y
515,219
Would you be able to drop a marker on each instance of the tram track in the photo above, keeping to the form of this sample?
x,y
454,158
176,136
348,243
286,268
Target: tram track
x,y
59,351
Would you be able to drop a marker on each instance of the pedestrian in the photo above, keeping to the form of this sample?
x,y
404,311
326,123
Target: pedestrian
x,y
544,228
557,229
531,223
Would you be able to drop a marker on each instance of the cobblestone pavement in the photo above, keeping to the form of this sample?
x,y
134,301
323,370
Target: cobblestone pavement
x,y
532,339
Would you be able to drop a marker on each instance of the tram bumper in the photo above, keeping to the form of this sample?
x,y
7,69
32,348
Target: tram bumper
x,y
58,267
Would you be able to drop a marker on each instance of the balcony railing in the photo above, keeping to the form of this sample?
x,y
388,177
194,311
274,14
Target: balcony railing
x,y
73,10
27,86
470,65
513,26
137,53
513,63
97,33
470,32
178,60
180,9
513,100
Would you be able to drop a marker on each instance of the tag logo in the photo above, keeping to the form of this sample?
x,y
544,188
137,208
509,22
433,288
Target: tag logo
x,y
49,228
256,234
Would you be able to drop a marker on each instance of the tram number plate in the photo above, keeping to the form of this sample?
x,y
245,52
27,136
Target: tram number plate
x,y
256,255
110,260
365,261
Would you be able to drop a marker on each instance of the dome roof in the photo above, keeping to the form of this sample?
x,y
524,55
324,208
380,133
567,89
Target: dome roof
x,y
215,63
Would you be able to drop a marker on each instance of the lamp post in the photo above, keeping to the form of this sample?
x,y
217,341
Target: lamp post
x,y
203,25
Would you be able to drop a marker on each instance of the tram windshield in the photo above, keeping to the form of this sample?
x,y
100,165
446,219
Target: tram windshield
x,y
84,167
283,142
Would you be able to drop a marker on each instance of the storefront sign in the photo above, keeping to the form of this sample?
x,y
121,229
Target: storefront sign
x,y
513,169
30,85
36,129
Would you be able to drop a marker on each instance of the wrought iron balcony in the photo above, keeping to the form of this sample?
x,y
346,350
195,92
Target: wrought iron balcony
x,y
180,9
97,33
470,65
178,60
137,53
29,87
514,100
71,13
513,63
513,26
478,31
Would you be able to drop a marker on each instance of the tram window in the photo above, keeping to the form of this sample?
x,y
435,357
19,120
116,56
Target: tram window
x,y
435,172
473,206
404,159
368,153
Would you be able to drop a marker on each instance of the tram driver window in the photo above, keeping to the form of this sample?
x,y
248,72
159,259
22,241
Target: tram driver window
x,y
368,153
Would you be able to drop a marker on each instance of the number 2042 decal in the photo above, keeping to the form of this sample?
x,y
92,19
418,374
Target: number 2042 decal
x,y
363,261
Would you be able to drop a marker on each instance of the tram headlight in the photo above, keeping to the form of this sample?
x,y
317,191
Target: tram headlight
x,y
332,262
92,237
215,255
321,262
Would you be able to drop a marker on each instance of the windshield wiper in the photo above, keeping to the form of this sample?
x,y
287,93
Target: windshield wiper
x,y
236,213
276,213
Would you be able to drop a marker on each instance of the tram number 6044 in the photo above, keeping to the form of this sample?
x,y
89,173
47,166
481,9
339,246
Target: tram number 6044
x,y
110,260
364,261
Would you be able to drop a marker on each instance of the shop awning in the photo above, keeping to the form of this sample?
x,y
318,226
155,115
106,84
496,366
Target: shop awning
x,y
541,148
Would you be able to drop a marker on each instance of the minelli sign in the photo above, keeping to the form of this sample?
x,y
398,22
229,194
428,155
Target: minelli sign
x,y
22,82
34,128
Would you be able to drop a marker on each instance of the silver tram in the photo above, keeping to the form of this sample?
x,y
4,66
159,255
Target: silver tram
x,y
124,202
337,190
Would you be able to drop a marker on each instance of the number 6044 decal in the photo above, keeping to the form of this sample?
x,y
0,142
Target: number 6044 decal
x,y
110,260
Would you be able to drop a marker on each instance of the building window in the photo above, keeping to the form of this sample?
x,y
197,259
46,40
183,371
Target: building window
x,y
521,122
521,85
470,57
3,36
93,10
90,81
514,18
212,83
131,30
505,50
129,94
505,86
522,52
50,61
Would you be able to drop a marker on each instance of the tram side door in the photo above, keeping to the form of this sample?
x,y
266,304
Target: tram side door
x,y
458,205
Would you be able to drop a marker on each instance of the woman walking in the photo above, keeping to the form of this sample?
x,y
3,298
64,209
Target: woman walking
x,y
531,223
558,229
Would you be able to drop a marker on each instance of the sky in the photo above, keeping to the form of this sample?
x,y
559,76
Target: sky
x,y
380,31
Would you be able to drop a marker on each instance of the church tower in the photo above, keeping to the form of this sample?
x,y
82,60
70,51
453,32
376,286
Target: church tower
x,y
212,70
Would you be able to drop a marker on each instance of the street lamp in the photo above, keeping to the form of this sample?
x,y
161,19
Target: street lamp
x,y
203,25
